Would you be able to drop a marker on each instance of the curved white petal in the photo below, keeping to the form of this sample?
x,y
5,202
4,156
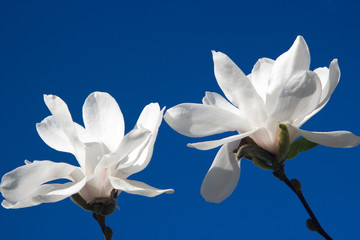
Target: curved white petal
x,y
46,194
94,153
333,80
103,118
129,143
238,88
150,119
223,175
297,58
266,137
329,82
62,116
260,76
53,135
25,186
85,136
135,187
96,186
323,74
338,139
213,144
215,99
198,120
299,96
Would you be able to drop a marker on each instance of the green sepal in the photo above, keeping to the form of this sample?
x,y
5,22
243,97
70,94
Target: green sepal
x,y
284,143
76,198
251,151
261,164
103,206
298,146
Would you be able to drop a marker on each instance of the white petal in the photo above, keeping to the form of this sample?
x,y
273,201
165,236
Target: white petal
x,y
198,120
67,189
338,139
213,144
135,187
150,119
96,186
223,175
260,76
297,58
94,152
323,74
238,88
265,137
333,80
62,116
103,118
129,143
217,100
85,136
24,186
53,135
46,194
299,97
329,84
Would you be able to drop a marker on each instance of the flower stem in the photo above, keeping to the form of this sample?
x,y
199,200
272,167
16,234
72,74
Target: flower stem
x,y
312,223
105,229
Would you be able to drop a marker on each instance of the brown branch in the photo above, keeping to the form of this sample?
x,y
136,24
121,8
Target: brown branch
x,y
105,229
312,223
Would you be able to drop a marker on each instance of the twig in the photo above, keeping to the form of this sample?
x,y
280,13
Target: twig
x,y
312,223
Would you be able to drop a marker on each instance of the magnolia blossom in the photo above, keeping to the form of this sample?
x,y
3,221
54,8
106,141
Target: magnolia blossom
x,y
281,91
106,157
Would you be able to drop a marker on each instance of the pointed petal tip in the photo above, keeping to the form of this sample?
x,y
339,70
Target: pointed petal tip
x,y
27,162
170,191
217,54
4,205
190,145
299,37
163,109
46,97
167,117
300,40
154,106
214,53
335,63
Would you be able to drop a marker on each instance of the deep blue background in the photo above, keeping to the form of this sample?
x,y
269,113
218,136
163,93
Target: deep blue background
x,y
159,51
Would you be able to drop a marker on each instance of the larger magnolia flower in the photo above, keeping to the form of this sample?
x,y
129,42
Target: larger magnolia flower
x,y
283,91
106,157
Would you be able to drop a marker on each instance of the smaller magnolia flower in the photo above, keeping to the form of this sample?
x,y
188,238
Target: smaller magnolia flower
x,y
277,94
106,157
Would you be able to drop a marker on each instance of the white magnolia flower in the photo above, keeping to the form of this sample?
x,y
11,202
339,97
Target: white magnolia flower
x,y
106,157
281,91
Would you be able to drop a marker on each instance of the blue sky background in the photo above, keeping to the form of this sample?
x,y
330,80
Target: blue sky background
x,y
159,51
